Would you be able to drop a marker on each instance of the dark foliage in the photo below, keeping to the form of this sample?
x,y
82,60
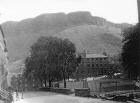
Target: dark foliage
x,y
131,51
51,59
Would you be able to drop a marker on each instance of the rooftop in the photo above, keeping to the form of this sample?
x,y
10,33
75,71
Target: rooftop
x,y
95,56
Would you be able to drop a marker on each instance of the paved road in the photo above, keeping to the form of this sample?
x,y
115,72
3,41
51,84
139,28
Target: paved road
x,y
46,97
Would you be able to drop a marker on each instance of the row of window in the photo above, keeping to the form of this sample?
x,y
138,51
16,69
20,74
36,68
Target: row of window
x,y
95,62
89,59
96,65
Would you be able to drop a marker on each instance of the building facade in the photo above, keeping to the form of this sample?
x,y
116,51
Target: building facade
x,y
3,66
94,65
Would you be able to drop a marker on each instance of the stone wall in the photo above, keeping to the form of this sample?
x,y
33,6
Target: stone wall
x,y
57,90
83,92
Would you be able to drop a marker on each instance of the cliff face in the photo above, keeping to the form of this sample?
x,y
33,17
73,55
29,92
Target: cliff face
x,y
86,31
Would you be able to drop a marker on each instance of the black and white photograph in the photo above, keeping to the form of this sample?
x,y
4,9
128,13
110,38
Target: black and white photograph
x,y
69,51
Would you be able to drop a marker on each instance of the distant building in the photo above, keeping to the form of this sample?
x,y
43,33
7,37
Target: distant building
x,y
94,64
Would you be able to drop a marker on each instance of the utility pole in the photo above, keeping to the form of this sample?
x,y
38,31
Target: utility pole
x,y
138,6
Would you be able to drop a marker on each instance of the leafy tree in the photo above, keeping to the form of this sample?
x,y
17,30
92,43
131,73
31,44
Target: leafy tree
x,y
13,82
51,59
131,51
116,62
16,82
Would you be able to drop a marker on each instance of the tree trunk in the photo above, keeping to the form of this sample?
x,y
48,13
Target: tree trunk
x,y
64,80
41,82
64,83
50,83
68,78
45,83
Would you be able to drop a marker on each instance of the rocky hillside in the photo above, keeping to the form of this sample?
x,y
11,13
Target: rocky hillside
x,y
95,34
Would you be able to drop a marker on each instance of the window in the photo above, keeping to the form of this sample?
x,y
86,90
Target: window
x,y
88,65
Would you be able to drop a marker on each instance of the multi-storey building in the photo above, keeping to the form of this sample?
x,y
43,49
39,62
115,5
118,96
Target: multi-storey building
x,y
94,64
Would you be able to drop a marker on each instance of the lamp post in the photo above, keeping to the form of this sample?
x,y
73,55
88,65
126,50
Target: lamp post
x,y
21,88
21,81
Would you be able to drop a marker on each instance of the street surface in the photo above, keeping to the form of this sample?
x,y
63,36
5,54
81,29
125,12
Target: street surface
x,y
47,97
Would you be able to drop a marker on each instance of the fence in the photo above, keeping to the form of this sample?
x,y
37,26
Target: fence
x,y
81,84
4,95
98,86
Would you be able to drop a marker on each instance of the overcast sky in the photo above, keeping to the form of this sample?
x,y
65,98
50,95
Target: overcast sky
x,y
117,11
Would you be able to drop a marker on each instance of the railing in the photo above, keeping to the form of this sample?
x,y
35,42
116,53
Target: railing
x,y
4,94
102,86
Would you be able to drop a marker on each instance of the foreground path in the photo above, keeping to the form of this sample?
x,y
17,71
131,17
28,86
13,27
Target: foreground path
x,y
46,97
